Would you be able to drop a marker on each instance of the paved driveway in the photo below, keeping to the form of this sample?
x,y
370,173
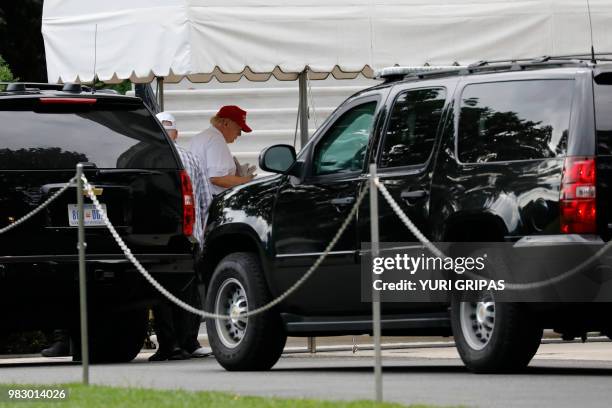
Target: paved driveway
x,y
561,375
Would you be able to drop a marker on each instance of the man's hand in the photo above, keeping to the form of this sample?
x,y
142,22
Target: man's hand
x,y
244,170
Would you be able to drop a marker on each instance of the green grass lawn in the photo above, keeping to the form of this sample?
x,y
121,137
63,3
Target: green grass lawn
x,y
96,396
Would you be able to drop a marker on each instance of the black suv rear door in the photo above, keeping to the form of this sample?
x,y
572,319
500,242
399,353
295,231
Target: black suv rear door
x,y
405,163
134,169
309,212
405,158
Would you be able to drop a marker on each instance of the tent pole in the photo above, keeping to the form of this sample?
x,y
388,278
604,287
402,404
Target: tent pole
x,y
303,107
160,92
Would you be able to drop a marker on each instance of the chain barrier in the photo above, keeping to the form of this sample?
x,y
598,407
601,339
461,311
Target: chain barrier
x,y
404,218
39,208
514,286
202,313
380,186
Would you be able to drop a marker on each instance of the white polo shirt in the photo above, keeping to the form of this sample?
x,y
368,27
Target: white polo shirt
x,y
210,148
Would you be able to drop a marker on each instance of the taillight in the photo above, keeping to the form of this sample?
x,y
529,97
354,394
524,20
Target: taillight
x,y
578,204
188,204
68,101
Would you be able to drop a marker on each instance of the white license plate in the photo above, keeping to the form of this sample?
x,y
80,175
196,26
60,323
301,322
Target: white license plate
x,y
92,216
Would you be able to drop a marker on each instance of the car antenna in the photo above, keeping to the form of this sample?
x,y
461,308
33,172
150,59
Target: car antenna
x,y
93,82
593,60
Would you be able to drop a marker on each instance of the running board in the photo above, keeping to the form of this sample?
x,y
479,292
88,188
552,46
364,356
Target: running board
x,y
424,324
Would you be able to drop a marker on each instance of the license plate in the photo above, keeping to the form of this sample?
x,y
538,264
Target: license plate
x,y
91,215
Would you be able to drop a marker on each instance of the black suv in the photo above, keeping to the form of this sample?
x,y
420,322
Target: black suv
x,y
483,154
137,176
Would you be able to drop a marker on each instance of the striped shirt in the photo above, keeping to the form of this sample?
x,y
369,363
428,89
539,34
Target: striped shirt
x,y
202,192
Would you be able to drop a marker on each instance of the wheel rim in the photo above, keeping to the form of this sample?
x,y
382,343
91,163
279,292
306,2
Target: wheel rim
x,y
231,299
477,322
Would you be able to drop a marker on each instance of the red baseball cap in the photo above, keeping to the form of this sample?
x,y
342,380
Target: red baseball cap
x,y
236,114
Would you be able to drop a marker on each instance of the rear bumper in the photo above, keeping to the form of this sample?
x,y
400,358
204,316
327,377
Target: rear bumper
x,y
559,268
558,240
43,291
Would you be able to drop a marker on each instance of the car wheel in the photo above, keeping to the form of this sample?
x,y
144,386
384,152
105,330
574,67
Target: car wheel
x,y
494,337
114,337
243,344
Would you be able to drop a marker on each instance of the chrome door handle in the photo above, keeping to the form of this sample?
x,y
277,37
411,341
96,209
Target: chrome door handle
x,y
412,194
343,201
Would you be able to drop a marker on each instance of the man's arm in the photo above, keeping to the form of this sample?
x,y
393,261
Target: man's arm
x,y
230,181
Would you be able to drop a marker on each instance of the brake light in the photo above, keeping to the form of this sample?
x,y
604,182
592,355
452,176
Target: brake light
x,y
68,101
188,204
578,204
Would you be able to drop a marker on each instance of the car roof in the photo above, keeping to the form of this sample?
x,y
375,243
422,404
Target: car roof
x,y
37,90
401,74
543,66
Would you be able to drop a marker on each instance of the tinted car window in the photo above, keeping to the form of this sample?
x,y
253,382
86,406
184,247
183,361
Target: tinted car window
x,y
343,147
411,132
59,137
603,113
518,120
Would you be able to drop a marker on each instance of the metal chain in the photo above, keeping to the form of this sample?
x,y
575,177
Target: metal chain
x,y
515,286
38,209
202,313
402,216
381,187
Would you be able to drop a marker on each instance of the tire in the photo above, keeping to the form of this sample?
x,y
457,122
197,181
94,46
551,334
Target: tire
x,y
252,344
494,337
115,337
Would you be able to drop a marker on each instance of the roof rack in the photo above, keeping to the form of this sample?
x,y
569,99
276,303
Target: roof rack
x,y
397,73
37,86
402,71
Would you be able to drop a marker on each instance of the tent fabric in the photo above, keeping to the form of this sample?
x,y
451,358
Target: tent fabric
x,y
228,39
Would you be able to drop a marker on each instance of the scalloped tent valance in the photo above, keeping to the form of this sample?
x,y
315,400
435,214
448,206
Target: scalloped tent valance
x,y
257,39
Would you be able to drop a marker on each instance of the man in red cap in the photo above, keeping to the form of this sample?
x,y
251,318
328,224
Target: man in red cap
x,y
210,147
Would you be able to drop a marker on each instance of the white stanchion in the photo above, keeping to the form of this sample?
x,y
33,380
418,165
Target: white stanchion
x,y
376,329
82,276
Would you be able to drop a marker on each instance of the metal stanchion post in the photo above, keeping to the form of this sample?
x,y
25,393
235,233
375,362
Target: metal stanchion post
x,y
375,294
82,277
312,345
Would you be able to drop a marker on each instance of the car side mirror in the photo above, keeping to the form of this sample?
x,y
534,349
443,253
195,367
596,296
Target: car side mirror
x,y
277,159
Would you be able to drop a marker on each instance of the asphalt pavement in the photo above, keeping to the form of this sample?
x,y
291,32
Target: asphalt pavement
x,y
561,375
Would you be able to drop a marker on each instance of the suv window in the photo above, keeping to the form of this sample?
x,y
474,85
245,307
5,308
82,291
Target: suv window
x,y
516,120
60,136
411,132
343,147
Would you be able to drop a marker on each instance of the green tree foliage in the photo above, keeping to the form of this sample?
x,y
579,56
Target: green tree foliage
x,y
21,42
122,87
5,72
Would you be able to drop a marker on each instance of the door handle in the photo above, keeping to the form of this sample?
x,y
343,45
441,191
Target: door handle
x,y
413,194
343,201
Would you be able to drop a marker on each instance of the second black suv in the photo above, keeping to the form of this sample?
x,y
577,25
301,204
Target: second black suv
x,y
139,179
483,154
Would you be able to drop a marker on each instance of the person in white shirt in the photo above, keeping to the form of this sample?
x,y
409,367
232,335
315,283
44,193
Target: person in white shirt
x,y
176,329
210,147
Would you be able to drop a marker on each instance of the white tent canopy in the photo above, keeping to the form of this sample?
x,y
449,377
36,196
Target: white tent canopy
x,y
226,39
